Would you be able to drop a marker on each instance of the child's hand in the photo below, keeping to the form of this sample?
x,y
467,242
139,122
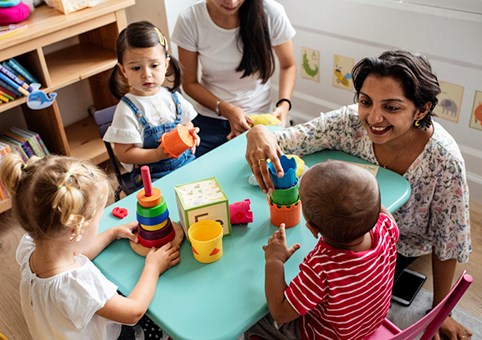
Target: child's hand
x,y
126,231
197,140
277,248
163,258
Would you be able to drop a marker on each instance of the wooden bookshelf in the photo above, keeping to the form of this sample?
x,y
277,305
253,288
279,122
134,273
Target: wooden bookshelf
x,y
92,55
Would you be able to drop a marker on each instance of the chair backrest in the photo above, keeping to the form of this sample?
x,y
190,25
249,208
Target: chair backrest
x,y
103,119
430,323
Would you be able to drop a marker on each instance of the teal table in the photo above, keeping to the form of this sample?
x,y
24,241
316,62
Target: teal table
x,y
222,299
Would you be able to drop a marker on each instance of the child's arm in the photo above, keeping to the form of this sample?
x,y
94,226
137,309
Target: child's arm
x,y
104,239
129,310
131,154
276,253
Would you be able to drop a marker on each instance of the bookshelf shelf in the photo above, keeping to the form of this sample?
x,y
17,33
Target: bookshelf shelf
x,y
60,50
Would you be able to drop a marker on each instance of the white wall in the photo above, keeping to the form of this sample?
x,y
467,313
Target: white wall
x,y
360,28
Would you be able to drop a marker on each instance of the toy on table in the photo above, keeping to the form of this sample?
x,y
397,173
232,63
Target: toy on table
x,y
119,212
155,227
202,200
176,141
284,202
267,119
301,167
240,212
206,237
13,12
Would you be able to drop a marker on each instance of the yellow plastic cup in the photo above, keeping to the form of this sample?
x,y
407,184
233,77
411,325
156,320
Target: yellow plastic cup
x,y
206,239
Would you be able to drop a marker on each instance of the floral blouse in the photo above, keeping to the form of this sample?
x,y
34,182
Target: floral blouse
x,y
437,213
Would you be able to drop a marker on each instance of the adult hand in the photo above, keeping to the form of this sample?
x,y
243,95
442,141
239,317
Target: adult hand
x,y
163,258
276,249
239,121
451,329
263,145
281,113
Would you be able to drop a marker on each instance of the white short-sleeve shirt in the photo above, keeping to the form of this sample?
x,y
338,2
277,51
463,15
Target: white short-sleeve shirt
x,y
220,55
63,306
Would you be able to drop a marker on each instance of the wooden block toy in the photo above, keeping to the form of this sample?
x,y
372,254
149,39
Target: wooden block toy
x,y
202,200
155,227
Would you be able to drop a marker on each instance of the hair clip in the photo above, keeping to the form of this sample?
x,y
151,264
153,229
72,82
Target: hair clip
x,y
91,174
162,38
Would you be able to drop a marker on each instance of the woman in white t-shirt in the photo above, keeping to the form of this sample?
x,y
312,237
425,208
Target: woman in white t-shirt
x,y
233,41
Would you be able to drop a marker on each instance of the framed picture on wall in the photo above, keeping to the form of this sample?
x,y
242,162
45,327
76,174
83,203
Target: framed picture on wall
x,y
476,117
342,72
449,101
310,66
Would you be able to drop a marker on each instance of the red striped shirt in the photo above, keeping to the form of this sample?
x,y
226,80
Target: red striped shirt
x,y
342,294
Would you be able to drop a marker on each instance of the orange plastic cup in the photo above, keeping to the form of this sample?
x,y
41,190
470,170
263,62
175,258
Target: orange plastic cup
x,y
288,214
176,141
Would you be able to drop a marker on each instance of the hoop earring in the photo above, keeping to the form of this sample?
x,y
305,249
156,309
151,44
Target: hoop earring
x,y
417,123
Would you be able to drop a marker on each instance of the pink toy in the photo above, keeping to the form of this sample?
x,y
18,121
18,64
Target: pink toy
x,y
240,212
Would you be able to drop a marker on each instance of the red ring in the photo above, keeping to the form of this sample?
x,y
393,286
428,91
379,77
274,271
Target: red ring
x,y
159,242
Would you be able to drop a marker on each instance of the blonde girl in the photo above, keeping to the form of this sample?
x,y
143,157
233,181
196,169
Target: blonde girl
x,y
59,201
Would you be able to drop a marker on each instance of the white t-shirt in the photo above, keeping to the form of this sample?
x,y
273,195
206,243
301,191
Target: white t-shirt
x,y
220,55
63,306
158,109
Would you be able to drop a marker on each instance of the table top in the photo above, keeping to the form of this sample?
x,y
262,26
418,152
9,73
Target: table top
x,y
222,299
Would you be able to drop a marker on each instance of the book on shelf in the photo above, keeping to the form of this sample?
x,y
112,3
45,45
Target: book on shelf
x,y
8,89
5,94
24,142
3,98
13,84
18,68
34,140
4,149
15,146
14,77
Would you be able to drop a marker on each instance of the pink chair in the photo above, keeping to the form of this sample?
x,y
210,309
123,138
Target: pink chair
x,y
430,323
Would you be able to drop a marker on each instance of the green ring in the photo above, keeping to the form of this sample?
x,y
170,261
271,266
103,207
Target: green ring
x,y
154,211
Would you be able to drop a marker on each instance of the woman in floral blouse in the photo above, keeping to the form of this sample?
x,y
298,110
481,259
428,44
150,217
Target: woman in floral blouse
x,y
392,126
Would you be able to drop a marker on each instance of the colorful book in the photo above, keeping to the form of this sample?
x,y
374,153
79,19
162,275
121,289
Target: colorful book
x,y
16,79
13,84
5,94
23,141
4,99
33,139
22,71
15,146
4,86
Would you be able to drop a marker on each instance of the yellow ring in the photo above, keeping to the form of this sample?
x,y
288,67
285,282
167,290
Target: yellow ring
x,y
261,160
156,226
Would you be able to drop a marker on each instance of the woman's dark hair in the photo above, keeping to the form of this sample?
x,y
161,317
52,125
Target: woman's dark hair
x,y
414,72
256,43
141,34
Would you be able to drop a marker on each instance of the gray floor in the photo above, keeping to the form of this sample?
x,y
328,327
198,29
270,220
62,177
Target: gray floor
x,y
406,316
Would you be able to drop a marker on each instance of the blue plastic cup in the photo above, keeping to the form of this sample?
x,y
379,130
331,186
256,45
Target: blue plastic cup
x,y
289,178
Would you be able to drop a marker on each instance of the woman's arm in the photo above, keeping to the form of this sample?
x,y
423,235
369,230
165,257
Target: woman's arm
x,y
287,77
238,119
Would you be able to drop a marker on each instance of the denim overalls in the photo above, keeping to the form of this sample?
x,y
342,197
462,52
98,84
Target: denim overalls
x,y
152,135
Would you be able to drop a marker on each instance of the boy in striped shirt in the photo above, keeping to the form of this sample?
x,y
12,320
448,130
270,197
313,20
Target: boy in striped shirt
x,y
344,286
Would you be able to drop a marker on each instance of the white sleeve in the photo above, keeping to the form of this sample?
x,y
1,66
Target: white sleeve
x,y
125,128
280,26
185,32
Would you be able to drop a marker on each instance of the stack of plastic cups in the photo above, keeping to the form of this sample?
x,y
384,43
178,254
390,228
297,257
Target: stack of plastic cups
x,y
284,201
